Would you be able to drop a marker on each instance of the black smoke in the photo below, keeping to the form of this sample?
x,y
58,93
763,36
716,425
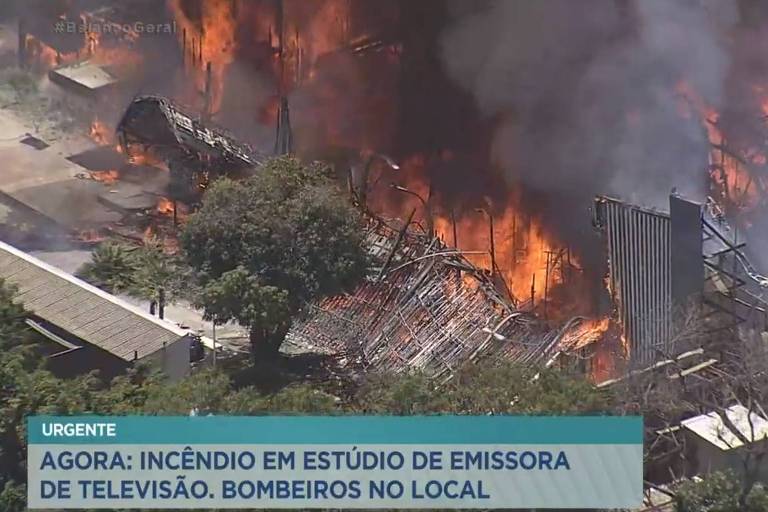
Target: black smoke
x,y
586,94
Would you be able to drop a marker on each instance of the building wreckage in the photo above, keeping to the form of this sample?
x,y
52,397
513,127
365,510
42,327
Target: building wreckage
x,y
425,308
428,308
195,151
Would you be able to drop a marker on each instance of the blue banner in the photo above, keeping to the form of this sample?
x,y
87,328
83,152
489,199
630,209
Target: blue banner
x,y
334,462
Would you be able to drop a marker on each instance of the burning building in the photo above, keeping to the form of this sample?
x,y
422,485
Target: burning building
x,y
154,128
499,152
428,308
661,263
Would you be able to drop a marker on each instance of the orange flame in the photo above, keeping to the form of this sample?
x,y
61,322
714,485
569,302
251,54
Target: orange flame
x,y
526,255
211,41
586,333
106,177
730,176
45,57
166,207
138,156
100,134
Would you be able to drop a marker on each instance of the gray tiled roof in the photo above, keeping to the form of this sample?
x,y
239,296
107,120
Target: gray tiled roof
x,y
83,310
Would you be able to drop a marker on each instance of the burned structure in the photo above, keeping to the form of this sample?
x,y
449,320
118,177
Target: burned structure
x,y
193,151
427,308
660,264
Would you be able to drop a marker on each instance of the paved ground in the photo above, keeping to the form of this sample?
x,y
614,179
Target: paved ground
x,y
44,200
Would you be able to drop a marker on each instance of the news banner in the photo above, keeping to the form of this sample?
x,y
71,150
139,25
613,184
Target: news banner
x,y
334,462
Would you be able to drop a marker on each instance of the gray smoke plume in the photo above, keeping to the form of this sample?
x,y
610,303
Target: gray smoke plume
x,y
586,94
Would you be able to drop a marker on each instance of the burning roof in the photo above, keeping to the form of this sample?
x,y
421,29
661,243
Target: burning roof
x,y
160,125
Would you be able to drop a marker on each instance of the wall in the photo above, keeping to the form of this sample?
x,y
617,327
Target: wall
x,y
72,363
173,360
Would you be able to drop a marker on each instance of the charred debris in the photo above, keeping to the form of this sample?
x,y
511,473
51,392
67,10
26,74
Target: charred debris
x,y
428,307
194,151
425,307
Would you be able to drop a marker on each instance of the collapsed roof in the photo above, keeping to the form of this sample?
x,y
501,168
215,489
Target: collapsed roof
x,y
160,126
425,308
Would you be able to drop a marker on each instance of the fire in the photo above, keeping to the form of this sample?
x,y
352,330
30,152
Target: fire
x,y
119,57
212,41
45,57
525,255
608,350
100,134
106,177
312,32
137,155
604,364
586,333
730,176
167,207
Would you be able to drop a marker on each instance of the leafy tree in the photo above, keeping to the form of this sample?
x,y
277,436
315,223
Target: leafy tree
x,y
265,246
407,394
155,270
112,267
13,497
485,388
302,399
719,492
140,271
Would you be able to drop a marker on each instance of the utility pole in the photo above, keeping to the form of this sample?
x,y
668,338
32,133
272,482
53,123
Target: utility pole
x,y
491,237
424,202
22,44
453,222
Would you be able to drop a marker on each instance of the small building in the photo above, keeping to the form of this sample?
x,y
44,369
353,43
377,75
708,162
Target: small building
x,y
89,328
84,87
714,446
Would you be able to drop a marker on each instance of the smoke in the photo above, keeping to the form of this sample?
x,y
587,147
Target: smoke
x,y
585,96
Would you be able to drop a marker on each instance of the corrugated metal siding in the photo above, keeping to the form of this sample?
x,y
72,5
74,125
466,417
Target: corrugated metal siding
x,y
640,278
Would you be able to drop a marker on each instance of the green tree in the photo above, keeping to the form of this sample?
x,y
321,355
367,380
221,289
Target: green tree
x,y
266,246
112,267
719,492
483,388
154,270
140,271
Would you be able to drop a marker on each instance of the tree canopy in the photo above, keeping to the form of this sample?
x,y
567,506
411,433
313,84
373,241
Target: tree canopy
x,y
719,492
267,245
27,388
140,271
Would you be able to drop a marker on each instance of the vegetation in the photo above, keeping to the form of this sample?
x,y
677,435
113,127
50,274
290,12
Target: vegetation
x,y
140,271
719,492
256,252
265,246
28,388
500,388
112,267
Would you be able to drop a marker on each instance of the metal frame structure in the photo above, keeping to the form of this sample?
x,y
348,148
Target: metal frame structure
x,y
639,274
425,308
